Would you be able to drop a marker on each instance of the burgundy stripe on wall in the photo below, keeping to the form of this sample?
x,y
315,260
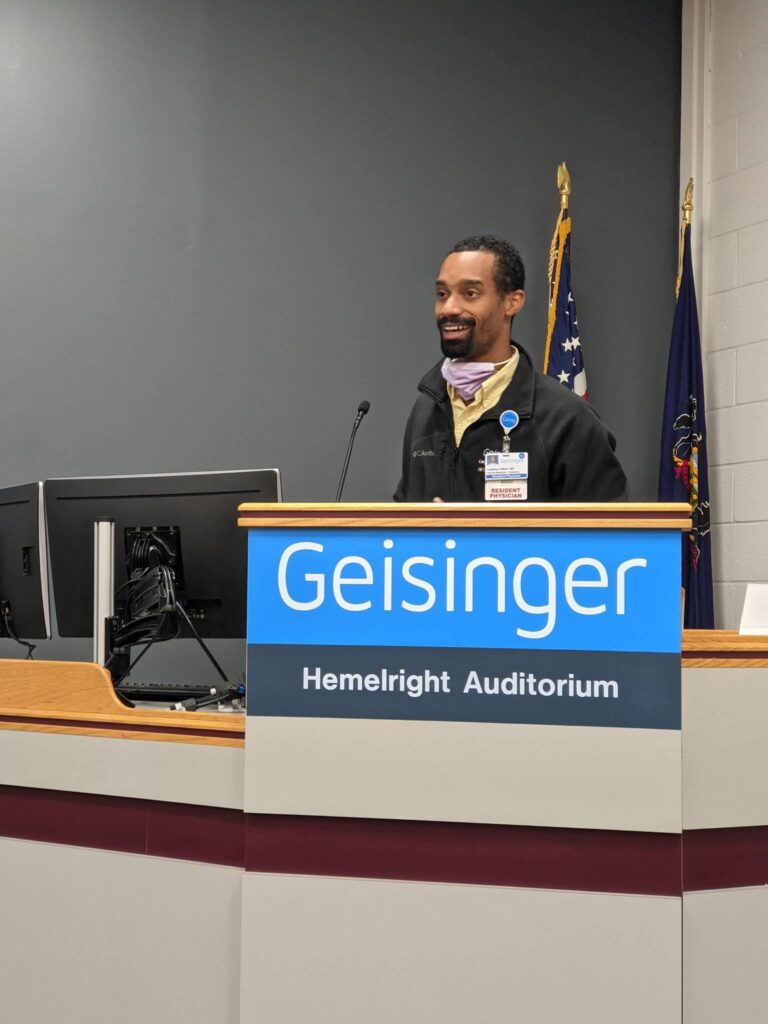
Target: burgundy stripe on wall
x,y
586,860
212,835
547,858
723,858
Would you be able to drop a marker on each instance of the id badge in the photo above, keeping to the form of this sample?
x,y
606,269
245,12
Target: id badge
x,y
506,476
506,466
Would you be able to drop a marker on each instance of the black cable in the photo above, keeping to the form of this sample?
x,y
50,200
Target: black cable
x,y
10,630
130,580
200,640
140,631
147,589
127,583
143,651
215,697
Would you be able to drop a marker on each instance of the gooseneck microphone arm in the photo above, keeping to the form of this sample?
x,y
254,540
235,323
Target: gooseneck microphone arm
x,y
362,409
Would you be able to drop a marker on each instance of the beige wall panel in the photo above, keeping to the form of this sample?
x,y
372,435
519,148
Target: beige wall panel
x,y
89,937
344,951
725,952
458,771
725,753
177,772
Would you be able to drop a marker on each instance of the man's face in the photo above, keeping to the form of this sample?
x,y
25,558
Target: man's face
x,y
473,317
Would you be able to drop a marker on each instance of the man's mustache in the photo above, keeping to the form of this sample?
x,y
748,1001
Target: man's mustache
x,y
456,320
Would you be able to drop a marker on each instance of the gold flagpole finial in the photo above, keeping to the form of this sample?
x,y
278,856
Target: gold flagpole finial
x,y
563,185
688,202
687,209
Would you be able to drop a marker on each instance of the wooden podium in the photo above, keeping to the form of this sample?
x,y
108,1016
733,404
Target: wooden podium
x,y
334,600
513,833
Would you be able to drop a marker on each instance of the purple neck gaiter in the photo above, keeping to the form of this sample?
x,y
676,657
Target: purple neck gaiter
x,y
466,377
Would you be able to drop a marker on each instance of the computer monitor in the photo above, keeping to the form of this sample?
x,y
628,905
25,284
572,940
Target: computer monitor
x,y
193,514
24,605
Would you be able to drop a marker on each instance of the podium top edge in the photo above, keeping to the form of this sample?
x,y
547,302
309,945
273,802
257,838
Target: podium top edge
x,y
563,515
679,507
723,649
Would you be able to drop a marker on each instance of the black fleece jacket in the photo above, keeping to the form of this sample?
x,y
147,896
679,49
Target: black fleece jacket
x,y
570,452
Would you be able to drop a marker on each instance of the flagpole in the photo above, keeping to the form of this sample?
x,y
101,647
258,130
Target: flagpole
x,y
555,252
687,209
683,466
562,348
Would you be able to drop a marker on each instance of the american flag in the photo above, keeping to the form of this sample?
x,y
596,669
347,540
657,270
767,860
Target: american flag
x,y
562,355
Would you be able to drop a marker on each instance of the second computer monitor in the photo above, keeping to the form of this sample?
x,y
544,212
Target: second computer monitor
x,y
201,511
24,611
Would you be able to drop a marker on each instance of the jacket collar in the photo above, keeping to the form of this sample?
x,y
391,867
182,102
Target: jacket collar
x,y
518,396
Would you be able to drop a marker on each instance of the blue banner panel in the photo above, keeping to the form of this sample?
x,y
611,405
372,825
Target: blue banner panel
x,y
637,690
569,590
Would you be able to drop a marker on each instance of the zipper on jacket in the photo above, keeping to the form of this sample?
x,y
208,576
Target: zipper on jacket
x,y
455,474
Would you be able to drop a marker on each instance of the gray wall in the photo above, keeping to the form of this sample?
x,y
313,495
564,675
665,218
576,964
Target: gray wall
x,y
221,220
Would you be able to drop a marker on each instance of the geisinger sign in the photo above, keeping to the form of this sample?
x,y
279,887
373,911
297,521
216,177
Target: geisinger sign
x,y
557,627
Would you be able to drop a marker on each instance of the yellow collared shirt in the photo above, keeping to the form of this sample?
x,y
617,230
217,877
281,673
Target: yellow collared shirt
x,y
486,396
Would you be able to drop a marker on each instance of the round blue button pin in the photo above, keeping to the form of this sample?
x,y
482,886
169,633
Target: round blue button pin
x,y
509,420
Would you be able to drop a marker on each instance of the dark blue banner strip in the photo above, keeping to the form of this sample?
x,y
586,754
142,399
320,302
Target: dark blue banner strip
x,y
593,688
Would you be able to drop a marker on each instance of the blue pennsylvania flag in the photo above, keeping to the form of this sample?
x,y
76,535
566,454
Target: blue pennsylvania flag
x,y
683,474
562,355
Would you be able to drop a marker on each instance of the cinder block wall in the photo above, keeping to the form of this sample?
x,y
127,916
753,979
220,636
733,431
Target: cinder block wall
x,y
735,297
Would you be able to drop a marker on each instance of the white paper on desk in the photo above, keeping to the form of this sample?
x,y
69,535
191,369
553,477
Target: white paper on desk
x,y
754,617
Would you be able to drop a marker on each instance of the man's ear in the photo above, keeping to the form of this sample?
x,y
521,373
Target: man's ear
x,y
514,302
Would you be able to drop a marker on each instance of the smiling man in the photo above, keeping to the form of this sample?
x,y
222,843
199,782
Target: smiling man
x,y
487,426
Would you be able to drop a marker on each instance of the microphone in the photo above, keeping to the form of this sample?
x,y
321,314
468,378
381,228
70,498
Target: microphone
x,y
362,409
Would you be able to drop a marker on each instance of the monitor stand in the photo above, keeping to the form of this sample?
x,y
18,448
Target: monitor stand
x,y
104,653
103,586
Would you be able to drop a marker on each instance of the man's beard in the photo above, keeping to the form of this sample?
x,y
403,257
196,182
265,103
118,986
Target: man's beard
x,y
458,348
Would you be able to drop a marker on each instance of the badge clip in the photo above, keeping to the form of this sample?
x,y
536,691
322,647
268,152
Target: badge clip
x,y
508,420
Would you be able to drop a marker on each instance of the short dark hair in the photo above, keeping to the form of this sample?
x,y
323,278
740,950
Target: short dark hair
x,y
508,270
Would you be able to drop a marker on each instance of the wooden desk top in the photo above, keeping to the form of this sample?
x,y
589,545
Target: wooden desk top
x,y
561,516
78,698
720,648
